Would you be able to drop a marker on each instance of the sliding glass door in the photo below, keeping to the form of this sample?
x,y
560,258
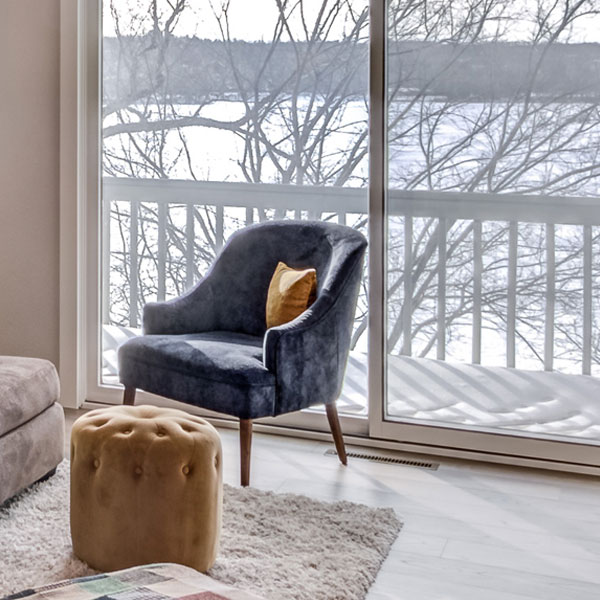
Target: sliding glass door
x,y
216,115
492,136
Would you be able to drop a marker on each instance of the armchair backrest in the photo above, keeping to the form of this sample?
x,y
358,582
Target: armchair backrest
x,y
240,276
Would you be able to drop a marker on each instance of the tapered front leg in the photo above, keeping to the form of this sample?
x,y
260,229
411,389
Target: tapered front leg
x,y
245,448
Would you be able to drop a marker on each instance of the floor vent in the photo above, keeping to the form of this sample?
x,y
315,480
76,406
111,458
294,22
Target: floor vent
x,y
392,460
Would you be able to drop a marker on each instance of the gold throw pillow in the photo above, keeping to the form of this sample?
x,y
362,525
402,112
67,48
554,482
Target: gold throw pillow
x,y
291,292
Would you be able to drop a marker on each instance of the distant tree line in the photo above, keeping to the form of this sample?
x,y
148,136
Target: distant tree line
x,y
483,71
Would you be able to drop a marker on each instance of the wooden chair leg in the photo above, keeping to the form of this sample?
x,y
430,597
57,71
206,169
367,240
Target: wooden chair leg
x,y
245,447
336,430
129,396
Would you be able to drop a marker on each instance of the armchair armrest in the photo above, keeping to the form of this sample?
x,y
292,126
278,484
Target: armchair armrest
x,y
308,355
277,338
192,312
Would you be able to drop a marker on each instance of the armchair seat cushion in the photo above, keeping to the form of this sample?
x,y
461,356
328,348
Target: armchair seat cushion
x,y
217,370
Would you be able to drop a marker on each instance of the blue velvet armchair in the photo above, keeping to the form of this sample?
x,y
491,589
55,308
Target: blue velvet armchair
x,y
210,347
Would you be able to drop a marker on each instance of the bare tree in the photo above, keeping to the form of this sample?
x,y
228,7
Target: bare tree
x,y
524,136
476,104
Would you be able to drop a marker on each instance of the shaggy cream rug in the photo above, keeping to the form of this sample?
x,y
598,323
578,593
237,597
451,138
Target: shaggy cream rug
x,y
281,546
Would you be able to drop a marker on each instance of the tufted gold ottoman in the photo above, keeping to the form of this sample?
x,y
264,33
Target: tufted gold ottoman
x,y
146,487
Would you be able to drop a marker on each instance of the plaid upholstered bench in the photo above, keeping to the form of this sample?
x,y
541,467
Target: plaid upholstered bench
x,y
164,581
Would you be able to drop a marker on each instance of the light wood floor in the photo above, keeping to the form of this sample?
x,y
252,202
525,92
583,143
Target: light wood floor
x,y
471,531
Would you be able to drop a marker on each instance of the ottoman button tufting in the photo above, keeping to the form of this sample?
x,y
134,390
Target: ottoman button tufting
x,y
119,521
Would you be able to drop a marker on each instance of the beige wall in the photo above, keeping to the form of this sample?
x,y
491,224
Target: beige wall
x,y
29,177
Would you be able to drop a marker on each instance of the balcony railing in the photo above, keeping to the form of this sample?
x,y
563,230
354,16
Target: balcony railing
x,y
443,210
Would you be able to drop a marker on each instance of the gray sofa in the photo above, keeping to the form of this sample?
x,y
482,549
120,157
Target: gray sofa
x,y
32,426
